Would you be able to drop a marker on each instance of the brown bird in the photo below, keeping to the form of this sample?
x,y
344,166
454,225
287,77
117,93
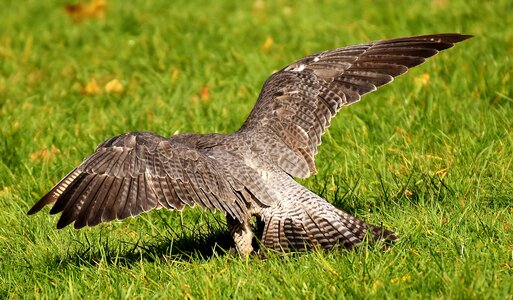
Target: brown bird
x,y
249,172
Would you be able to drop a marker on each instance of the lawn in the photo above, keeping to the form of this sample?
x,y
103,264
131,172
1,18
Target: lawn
x,y
429,156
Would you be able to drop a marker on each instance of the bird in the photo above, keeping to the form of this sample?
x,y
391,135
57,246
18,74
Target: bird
x,y
251,172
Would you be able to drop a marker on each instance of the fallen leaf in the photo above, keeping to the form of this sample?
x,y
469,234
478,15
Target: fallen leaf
x,y
408,193
44,153
403,279
95,9
91,88
204,93
5,191
114,87
268,43
174,74
423,79
377,284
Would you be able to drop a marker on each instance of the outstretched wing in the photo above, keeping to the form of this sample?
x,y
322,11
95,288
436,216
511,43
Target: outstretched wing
x,y
297,103
136,172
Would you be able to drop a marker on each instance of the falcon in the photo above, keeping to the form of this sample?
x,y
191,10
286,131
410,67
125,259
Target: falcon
x,y
250,172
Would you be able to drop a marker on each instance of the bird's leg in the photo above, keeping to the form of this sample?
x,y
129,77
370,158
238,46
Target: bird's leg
x,y
242,235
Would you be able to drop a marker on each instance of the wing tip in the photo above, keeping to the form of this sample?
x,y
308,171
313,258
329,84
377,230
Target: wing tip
x,y
44,201
63,222
450,38
456,37
35,209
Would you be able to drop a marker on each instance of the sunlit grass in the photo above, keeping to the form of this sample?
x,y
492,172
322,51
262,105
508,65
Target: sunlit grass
x,y
429,156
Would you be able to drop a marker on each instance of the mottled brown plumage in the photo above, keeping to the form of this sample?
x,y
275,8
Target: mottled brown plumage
x,y
250,171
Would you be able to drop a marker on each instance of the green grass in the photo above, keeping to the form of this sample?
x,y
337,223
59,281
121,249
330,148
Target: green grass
x,y
432,159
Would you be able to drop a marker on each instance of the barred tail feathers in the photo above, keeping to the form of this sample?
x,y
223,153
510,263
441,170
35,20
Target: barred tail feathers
x,y
315,222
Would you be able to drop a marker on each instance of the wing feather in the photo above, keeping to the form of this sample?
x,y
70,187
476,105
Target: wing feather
x,y
88,200
309,92
106,212
100,198
137,172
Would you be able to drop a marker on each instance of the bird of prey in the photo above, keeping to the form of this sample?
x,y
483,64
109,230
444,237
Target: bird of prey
x,y
250,172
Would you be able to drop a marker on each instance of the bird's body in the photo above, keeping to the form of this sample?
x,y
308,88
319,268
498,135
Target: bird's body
x,y
249,172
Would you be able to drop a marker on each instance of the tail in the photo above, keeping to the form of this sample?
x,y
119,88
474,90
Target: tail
x,y
293,226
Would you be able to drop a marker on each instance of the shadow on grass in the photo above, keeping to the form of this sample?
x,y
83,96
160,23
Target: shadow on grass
x,y
202,240
183,244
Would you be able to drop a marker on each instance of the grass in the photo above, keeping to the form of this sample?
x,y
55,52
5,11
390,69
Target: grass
x,y
429,156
